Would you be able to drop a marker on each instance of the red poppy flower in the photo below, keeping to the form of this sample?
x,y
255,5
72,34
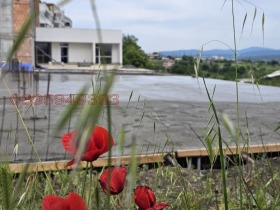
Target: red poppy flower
x,y
145,199
72,202
98,144
118,176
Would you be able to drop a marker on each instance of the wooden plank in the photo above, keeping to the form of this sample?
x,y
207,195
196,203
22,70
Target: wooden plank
x,y
143,159
230,150
101,162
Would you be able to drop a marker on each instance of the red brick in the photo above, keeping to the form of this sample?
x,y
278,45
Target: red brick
x,y
21,11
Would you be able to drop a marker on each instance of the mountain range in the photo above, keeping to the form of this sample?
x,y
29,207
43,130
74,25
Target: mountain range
x,y
252,53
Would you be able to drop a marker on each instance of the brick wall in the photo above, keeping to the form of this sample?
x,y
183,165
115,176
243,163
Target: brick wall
x,y
21,10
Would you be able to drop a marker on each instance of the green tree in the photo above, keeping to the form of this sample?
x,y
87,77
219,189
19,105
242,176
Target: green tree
x,y
133,54
184,66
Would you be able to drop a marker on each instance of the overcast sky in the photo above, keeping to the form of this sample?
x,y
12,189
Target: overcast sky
x,y
182,24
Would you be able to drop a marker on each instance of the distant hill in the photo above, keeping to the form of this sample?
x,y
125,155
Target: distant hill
x,y
252,53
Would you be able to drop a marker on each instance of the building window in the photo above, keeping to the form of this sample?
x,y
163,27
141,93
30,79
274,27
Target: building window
x,y
64,52
103,53
43,52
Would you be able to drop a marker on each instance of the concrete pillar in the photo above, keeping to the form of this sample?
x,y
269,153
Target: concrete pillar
x,y
93,52
189,163
199,163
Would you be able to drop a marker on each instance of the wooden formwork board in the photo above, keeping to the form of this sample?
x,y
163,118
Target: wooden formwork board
x,y
143,159
252,149
101,162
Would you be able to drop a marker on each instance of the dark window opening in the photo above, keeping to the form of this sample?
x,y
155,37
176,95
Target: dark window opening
x,y
64,52
43,52
103,54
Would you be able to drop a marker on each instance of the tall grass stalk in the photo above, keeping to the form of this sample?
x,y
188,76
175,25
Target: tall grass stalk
x,y
16,45
236,76
221,153
109,153
237,139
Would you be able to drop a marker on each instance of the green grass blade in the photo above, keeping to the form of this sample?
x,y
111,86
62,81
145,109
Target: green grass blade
x,y
63,2
277,127
130,99
228,125
263,27
121,141
244,21
196,65
254,17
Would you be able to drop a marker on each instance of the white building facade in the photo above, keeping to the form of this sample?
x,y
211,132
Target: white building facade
x,y
73,46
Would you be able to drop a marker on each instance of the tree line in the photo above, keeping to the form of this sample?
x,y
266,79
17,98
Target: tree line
x,y
226,69
134,56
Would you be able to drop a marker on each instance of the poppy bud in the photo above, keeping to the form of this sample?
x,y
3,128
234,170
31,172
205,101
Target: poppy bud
x,y
145,199
118,176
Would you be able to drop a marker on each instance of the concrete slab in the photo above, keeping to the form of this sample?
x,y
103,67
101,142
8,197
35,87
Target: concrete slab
x,y
160,120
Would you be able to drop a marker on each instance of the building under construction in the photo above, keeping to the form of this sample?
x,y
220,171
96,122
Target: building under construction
x,y
13,14
51,38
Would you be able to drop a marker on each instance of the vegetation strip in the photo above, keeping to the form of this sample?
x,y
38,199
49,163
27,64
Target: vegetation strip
x,y
141,159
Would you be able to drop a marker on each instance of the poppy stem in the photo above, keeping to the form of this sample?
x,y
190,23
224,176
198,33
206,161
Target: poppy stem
x,y
84,181
90,185
108,188
118,201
